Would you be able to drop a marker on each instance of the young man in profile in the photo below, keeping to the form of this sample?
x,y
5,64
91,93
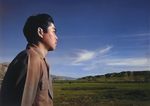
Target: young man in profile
x,y
27,81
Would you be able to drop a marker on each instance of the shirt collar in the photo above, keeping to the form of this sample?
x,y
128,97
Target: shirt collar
x,y
35,48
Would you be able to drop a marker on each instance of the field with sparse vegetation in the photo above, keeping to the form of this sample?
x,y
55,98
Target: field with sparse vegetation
x,y
101,94
112,89
115,89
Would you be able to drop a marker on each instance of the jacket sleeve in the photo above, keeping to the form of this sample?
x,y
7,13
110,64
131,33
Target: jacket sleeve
x,y
32,80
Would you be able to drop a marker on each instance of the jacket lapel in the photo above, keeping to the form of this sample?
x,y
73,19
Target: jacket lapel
x,y
50,88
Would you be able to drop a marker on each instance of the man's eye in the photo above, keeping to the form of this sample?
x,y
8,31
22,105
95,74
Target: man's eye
x,y
55,30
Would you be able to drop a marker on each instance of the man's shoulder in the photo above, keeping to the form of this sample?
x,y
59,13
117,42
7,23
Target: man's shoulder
x,y
35,51
28,54
21,57
32,53
24,52
24,55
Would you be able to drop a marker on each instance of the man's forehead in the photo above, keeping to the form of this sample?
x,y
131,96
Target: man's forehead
x,y
52,25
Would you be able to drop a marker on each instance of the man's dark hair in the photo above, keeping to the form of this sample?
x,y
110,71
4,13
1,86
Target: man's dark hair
x,y
33,23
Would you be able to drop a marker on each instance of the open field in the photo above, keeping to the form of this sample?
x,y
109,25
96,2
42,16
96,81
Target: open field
x,y
101,94
115,89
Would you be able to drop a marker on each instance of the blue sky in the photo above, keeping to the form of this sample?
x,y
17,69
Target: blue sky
x,y
95,37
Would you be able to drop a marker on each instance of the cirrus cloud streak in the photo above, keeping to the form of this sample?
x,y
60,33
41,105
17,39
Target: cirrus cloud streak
x,y
85,55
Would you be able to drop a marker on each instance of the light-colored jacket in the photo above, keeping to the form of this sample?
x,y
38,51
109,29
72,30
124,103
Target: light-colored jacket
x,y
27,81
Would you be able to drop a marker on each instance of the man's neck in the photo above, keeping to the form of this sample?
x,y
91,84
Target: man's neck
x,y
42,48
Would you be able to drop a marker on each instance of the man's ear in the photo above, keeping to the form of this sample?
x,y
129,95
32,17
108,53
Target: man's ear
x,y
40,32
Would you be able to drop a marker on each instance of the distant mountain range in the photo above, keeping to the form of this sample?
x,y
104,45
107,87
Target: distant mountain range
x,y
4,66
126,76
54,77
122,76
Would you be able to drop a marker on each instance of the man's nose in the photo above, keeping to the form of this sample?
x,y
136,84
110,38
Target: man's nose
x,y
56,38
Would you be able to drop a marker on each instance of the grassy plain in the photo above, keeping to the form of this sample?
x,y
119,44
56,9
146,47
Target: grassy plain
x,y
101,94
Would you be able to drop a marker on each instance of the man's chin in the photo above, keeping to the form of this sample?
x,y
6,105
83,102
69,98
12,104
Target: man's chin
x,y
51,49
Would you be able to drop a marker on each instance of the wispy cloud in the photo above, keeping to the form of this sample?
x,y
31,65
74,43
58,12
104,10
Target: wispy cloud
x,y
85,55
105,50
136,35
144,34
70,37
128,62
91,67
